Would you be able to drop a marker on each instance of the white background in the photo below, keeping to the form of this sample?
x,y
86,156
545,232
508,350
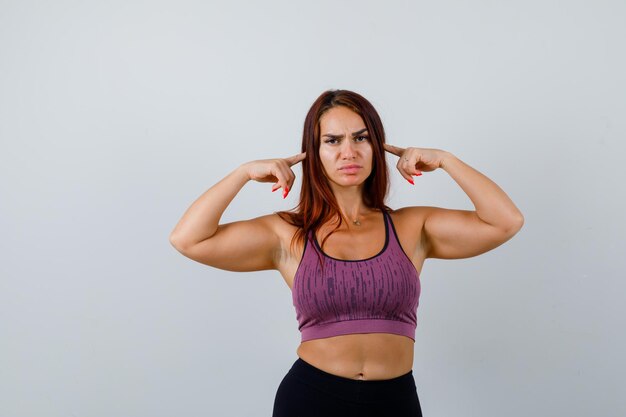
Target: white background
x,y
115,116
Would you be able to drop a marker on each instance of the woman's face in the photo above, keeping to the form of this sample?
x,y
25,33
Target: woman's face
x,y
345,147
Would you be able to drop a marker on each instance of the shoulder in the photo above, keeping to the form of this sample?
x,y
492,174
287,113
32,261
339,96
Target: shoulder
x,y
275,224
410,220
411,216
408,223
281,228
279,224
289,256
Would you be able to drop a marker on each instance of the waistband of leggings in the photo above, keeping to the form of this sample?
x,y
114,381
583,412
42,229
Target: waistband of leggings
x,y
334,383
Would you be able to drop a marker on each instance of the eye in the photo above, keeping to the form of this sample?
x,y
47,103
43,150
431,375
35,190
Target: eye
x,y
331,140
359,137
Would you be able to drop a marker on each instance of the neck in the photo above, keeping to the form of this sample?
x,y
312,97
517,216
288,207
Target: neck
x,y
351,204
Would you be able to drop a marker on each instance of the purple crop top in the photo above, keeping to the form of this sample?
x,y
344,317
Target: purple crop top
x,y
374,295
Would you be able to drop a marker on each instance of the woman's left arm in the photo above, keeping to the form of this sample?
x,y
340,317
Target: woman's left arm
x,y
455,234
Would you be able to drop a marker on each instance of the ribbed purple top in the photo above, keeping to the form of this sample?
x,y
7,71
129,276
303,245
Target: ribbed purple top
x,y
374,295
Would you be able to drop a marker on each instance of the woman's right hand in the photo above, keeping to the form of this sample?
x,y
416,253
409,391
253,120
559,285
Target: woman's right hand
x,y
276,170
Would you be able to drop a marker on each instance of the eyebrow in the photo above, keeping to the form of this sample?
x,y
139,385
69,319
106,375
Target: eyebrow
x,y
340,136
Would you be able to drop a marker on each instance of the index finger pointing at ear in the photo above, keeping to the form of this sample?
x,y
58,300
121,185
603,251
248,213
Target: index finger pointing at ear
x,y
393,149
292,160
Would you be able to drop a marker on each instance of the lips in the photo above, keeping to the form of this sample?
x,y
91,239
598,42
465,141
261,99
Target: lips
x,y
350,167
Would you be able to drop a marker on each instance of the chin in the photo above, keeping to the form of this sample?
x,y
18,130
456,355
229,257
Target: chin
x,y
350,182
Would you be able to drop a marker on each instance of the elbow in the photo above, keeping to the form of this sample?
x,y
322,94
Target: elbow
x,y
176,243
515,225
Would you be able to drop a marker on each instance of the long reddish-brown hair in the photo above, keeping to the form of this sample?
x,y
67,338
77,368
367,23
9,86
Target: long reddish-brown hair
x,y
317,202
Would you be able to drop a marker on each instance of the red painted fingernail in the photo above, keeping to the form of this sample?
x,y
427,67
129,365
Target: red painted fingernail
x,y
418,174
274,189
411,181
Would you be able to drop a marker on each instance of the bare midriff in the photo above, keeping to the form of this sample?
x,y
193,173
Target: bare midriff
x,y
365,356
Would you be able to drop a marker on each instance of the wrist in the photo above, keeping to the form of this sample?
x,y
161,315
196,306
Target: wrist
x,y
242,172
447,158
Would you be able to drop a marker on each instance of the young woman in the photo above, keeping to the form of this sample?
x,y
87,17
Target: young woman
x,y
353,264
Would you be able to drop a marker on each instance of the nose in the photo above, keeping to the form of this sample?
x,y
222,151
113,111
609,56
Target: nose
x,y
347,150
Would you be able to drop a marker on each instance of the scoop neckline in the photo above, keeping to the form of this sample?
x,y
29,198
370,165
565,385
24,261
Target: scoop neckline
x,y
319,248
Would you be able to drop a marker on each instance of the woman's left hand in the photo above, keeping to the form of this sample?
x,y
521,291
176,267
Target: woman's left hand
x,y
415,160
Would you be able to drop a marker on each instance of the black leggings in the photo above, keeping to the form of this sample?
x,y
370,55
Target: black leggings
x,y
307,391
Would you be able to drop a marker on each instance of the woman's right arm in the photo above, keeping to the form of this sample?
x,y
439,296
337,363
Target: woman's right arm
x,y
247,245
